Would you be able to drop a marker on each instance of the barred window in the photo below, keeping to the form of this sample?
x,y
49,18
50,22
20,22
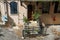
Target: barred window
x,y
45,7
57,7
56,10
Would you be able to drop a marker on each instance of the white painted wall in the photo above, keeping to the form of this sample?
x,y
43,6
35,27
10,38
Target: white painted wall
x,y
13,16
18,18
2,9
23,11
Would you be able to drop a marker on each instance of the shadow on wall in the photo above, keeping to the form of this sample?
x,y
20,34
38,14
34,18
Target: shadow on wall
x,y
0,17
10,22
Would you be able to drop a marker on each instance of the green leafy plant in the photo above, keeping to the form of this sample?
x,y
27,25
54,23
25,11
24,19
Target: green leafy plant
x,y
27,31
25,19
36,15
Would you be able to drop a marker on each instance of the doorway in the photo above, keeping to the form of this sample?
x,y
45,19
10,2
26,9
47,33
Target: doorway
x,y
30,12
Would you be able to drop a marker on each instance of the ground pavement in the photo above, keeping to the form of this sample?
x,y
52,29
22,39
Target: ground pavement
x,y
6,34
10,35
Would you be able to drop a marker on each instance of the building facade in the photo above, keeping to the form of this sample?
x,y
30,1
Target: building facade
x,y
13,11
16,9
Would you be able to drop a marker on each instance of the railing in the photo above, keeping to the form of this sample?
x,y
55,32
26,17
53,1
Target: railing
x,y
31,31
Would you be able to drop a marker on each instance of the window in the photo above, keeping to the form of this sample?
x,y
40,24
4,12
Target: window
x,y
13,7
45,7
57,7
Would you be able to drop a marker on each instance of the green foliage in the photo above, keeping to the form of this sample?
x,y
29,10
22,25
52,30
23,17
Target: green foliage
x,y
25,19
36,15
27,31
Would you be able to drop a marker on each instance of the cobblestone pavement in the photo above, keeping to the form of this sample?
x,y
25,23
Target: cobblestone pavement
x,y
6,34
51,35
35,38
10,35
